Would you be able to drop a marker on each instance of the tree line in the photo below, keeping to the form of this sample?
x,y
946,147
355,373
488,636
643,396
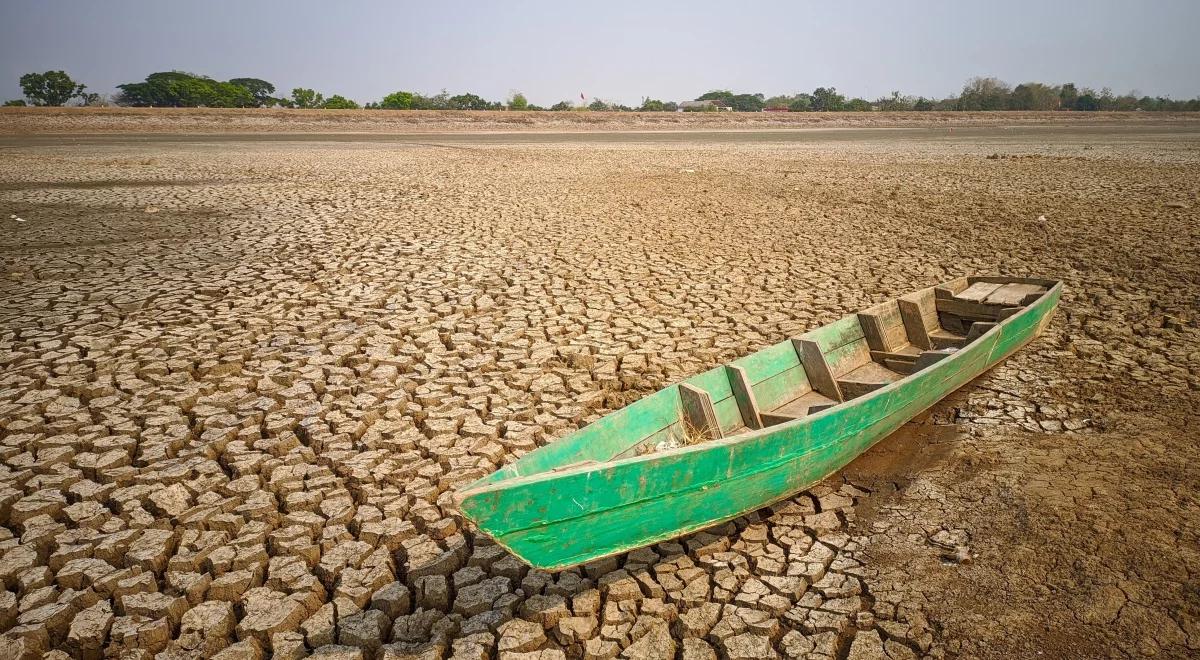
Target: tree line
x,y
181,89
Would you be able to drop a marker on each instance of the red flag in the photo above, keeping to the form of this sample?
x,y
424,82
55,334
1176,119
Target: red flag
x,y
582,97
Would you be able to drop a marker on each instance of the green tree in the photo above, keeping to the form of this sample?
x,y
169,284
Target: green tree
x,y
1033,96
1087,101
15,103
984,94
857,105
747,102
598,105
777,102
786,101
439,101
562,106
302,97
50,88
652,105
723,97
895,102
182,89
801,103
1126,102
518,101
923,104
1068,95
470,102
398,101
261,90
339,102
827,100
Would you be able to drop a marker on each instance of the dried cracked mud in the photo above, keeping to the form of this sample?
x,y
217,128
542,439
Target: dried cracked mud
x,y
241,380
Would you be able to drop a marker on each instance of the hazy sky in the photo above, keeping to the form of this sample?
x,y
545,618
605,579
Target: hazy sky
x,y
615,49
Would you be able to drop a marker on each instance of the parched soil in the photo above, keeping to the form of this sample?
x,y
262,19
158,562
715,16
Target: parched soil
x,y
242,378
40,121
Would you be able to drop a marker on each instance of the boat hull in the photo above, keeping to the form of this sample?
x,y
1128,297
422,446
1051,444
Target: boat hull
x,y
560,519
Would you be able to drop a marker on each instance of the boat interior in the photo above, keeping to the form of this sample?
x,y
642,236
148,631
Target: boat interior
x,y
838,362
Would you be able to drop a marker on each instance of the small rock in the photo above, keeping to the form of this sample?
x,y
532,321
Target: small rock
x,y
697,649
478,598
520,635
248,649
366,629
393,600
867,645
288,646
748,646
89,630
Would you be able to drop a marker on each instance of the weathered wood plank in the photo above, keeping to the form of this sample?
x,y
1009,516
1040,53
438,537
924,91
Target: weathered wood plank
x,y
1009,295
930,358
1004,279
820,376
698,411
839,333
968,310
919,315
978,329
949,290
729,416
940,339
853,389
715,381
773,419
899,366
951,323
743,392
781,388
880,356
883,327
978,291
847,358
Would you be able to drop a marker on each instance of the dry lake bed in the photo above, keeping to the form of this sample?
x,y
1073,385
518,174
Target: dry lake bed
x,y
243,374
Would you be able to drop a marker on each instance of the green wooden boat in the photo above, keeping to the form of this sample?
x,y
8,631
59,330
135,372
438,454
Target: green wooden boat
x,y
744,435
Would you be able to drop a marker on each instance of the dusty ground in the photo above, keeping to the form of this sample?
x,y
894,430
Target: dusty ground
x,y
40,121
241,378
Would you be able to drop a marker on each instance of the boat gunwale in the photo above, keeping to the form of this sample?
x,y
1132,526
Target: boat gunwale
x,y
713,445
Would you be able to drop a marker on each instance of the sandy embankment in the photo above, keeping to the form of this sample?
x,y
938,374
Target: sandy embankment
x,y
28,121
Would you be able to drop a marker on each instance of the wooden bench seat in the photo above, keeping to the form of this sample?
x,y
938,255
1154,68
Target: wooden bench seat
x,y
1014,294
866,379
848,358
804,406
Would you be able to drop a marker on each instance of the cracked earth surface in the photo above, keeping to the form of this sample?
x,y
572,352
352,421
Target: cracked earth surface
x,y
241,381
